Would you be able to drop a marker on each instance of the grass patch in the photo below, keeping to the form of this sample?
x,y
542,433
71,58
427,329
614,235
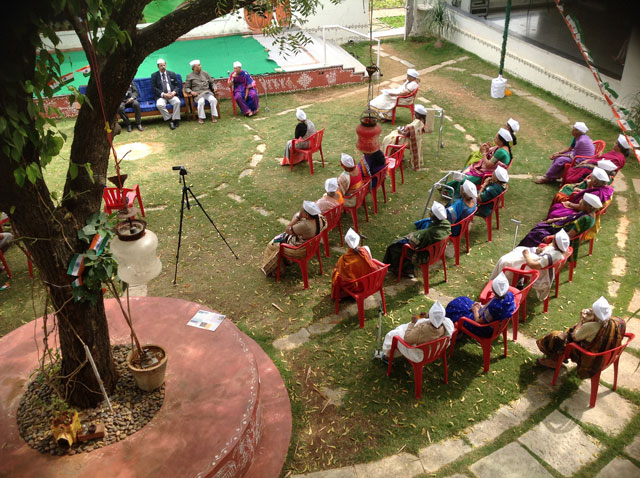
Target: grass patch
x,y
393,22
382,4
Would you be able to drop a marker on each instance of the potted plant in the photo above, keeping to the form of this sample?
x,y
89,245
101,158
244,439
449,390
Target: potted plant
x,y
439,20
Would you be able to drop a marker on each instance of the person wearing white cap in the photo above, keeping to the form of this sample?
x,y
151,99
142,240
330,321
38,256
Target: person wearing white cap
x,y
200,85
611,161
353,264
581,148
439,228
597,184
332,198
487,159
304,225
384,103
536,258
491,187
421,330
458,209
411,135
244,90
596,331
513,127
351,178
304,129
166,90
501,307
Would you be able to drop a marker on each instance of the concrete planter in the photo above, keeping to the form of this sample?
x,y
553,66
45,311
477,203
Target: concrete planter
x,y
149,378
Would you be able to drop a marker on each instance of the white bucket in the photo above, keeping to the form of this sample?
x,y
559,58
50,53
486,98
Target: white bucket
x,y
498,85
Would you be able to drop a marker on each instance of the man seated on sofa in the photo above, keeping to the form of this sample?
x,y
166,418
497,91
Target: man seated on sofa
x,y
165,89
131,101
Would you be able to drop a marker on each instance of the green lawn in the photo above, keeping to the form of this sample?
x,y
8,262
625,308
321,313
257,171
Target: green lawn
x,y
379,415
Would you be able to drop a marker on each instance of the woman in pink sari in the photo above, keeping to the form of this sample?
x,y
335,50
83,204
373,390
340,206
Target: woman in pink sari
x,y
618,156
596,184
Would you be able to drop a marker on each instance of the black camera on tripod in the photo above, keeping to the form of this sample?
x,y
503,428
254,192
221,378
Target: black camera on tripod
x,y
182,169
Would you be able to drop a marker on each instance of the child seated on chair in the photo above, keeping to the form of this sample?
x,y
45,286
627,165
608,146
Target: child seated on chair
x,y
420,330
596,331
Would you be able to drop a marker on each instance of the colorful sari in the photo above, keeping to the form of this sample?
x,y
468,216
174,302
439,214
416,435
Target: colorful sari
x,y
578,222
496,309
559,210
585,168
242,83
411,135
456,212
353,264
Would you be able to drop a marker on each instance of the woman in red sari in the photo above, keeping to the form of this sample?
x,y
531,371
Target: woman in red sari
x,y
618,156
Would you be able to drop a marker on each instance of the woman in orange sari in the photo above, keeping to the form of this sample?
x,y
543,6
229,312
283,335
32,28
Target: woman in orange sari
x,y
353,264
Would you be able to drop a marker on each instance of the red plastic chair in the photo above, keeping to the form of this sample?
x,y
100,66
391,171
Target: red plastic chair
x,y
464,231
432,351
368,285
395,160
119,198
315,145
598,145
4,261
312,247
381,177
498,329
410,105
333,220
360,194
573,263
495,210
436,253
529,276
608,357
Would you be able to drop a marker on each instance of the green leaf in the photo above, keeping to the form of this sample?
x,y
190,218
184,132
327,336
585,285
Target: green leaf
x,y
87,166
3,125
33,172
89,229
73,170
20,175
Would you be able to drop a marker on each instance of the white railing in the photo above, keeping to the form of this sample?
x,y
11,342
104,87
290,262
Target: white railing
x,y
324,43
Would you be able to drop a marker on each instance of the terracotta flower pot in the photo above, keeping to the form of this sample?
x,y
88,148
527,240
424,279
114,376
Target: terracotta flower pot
x,y
152,377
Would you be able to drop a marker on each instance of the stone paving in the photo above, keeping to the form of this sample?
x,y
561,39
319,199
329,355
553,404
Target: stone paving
x,y
559,440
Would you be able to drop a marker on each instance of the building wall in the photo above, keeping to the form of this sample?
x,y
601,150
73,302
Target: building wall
x,y
567,79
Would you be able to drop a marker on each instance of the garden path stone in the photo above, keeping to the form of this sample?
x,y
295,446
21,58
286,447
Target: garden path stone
x,y
527,342
622,234
611,413
520,92
623,205
290,342
447,117
248,127
283,221
261,148
501,463
635,301
459,127
395,58
561,443
285,112
619,467
237,198
335,396
474,147
633,326
424,100
221,186
156,208
138,290
255,160
636,185
455,68
468,137
549,108
619,266
408,64
346,472
439,454
245,173
619,183
383,54
402,464
628,373
633,449
257,138
490,429
612,288
534,398
520,176
482,76
319,328
261,211
434,295
201,196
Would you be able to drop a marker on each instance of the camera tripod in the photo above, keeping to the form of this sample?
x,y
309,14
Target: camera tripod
x,y
186,191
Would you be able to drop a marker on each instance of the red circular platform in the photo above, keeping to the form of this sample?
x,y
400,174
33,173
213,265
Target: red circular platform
x,y
226,411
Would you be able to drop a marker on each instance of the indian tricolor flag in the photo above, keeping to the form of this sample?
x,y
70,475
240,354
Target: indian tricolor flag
x,y
76,266
97,243
86,71
54,85
68,78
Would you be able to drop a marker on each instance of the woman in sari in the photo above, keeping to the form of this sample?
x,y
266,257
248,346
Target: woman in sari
x,y
332,198
491,188
568,189
411,135
596,331
382,105
574,224
501,306
618,156
458,209
536,258
304,225
581,145
596,183
351,179
353,264
244,90
304,129
512,126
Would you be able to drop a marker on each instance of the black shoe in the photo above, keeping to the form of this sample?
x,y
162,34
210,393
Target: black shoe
x,y
177,123
140,128
129,128
172,125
